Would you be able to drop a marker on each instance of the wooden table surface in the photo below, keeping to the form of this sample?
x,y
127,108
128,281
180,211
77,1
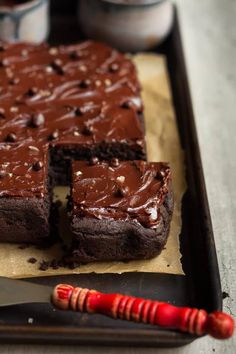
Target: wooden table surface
x,y
209,35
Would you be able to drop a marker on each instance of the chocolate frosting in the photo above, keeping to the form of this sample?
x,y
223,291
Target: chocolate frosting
x,y
130,191
82,94
23,169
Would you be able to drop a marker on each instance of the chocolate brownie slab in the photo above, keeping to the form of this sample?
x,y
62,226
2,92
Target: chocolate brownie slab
x,y
71,102
24,193
82,100
119,210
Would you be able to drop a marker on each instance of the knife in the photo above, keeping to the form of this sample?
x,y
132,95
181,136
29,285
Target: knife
x,y
66,297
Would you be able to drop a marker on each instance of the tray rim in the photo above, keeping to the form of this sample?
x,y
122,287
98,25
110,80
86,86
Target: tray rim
x,y
135,337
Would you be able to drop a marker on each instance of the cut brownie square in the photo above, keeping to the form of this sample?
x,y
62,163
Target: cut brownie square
x,y
24,193
119,210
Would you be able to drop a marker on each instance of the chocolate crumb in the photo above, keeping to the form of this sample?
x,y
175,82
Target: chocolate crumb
x,y
54,264
11,137
37,120
37,166
32,260
224,295
44,265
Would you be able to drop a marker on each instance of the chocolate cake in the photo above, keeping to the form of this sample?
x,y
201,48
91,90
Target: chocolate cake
x,y
80,100
67,102
25,194
119,210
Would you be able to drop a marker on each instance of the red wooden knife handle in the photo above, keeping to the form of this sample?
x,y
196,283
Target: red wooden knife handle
x,y
217,324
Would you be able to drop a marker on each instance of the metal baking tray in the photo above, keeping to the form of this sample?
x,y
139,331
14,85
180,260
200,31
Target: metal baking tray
x,y
199,288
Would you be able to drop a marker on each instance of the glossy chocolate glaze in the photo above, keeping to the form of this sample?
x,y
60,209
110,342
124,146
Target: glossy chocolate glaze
x,y
23,170
130,191
77,95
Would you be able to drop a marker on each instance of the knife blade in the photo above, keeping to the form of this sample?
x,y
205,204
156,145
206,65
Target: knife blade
x,y
13,292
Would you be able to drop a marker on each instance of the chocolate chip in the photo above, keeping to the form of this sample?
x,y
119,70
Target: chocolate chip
x,y
37,120
87,130
122,191
114,67
57,65
114,162
85,83
126,105
32,91
79,111
93,161
37,166
4,62
75,55
54,135
32,260
14,81
11,137
2,173
2,113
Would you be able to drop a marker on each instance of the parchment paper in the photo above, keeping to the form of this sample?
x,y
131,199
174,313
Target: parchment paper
x,y
163,145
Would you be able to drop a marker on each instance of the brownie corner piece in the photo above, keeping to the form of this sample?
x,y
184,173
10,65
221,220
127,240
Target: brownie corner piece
x,y
24,193
119,210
